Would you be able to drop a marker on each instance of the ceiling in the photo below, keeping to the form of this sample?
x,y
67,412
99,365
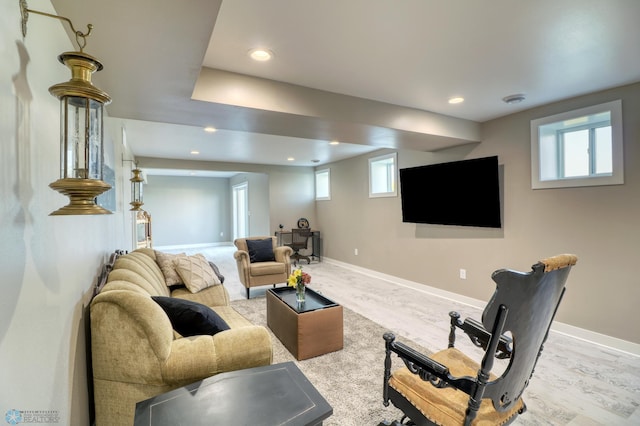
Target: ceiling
x,y
367,73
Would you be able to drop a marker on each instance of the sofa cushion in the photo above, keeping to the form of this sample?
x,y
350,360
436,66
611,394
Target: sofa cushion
x,y
196,272
261,250
191,318
166,263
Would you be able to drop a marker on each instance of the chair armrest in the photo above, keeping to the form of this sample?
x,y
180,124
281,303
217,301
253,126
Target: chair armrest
x,y
423,366
283,254
198,357
241,256
480,337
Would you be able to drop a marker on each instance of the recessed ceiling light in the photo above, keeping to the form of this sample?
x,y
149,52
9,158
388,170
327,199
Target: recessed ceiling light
x,y
514,99
290,159
210,129
260,54
456,100
194,152
334,143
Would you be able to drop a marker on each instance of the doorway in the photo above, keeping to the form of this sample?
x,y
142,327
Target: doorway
x,y
241,210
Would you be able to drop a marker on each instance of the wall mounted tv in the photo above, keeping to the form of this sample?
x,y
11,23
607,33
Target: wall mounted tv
x,y
463,193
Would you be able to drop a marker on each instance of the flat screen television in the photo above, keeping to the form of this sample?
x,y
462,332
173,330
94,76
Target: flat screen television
x,y
463,193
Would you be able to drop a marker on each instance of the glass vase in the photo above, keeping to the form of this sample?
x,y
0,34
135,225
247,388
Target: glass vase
x,y
300,289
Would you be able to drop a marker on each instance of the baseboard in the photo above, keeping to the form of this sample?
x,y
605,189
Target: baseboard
x,y
193,246
557,327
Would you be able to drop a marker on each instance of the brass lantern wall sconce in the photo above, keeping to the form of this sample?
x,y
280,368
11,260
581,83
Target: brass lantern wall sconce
x,y
136,190
81,126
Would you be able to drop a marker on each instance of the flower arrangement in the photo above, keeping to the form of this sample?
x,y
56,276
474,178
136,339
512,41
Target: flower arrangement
x,y
298,278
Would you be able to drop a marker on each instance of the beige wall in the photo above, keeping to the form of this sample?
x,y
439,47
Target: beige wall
x,y
48,263
599,224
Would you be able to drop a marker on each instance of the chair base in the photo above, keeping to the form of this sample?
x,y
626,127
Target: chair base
x,y
295,257
412,414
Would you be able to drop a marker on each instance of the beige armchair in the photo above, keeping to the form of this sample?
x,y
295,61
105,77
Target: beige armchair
x,y
261,262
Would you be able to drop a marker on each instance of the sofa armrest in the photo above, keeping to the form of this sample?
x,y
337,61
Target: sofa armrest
x,y
195,358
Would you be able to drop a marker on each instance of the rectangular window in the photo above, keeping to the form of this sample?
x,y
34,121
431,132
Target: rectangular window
x,y
578,148
382,176
323,187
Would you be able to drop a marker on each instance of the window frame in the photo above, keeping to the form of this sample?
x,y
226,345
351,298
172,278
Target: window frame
x,y
326,171
393,175
616,177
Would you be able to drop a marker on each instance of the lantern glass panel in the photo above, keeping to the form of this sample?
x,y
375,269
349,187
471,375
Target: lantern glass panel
x,y
136,191
81,138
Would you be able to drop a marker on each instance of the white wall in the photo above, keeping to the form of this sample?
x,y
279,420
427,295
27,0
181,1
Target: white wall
x,y
48,263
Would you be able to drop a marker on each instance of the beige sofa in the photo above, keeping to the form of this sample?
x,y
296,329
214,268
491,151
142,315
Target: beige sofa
x,y
137,354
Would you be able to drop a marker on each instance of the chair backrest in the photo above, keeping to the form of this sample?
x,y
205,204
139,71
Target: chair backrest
x,y
241,243
300,238
531,301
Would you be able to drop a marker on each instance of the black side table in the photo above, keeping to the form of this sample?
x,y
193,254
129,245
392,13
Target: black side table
x,y
278,394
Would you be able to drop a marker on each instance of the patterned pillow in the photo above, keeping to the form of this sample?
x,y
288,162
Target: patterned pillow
x,y
166,263
196,273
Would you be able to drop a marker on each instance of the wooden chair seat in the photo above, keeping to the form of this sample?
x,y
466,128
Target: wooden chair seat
x,y
447,406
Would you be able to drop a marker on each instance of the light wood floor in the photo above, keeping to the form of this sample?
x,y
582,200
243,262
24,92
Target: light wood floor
x,y
576,383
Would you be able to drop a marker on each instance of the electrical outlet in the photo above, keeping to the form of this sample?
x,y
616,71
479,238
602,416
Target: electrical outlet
x,y
222,234
463,274
355,251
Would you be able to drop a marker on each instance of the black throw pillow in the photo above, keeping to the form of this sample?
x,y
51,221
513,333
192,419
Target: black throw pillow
x,y
191,318
261,250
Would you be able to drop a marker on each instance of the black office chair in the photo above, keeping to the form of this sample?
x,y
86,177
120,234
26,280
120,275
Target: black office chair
x,y
449,387
299,241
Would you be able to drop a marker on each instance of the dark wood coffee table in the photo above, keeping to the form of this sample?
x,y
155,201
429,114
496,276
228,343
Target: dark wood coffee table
x,y
306,330
278,394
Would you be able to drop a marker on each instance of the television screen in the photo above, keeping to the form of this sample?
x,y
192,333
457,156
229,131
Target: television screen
x,y
463,193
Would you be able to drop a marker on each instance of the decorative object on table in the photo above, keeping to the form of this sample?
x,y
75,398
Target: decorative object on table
x,y
303,223
299,281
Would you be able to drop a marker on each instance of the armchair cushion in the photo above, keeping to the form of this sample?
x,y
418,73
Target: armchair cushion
x,y
261,250
196,272
191,318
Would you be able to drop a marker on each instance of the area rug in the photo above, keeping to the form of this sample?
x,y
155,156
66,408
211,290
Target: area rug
x,y
350,379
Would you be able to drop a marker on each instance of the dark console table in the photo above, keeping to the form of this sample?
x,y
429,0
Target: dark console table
x,y
284,238
278,394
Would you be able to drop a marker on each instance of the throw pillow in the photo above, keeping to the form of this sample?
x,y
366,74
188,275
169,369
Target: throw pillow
x,y
260,250
191,318
196,273
166,263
